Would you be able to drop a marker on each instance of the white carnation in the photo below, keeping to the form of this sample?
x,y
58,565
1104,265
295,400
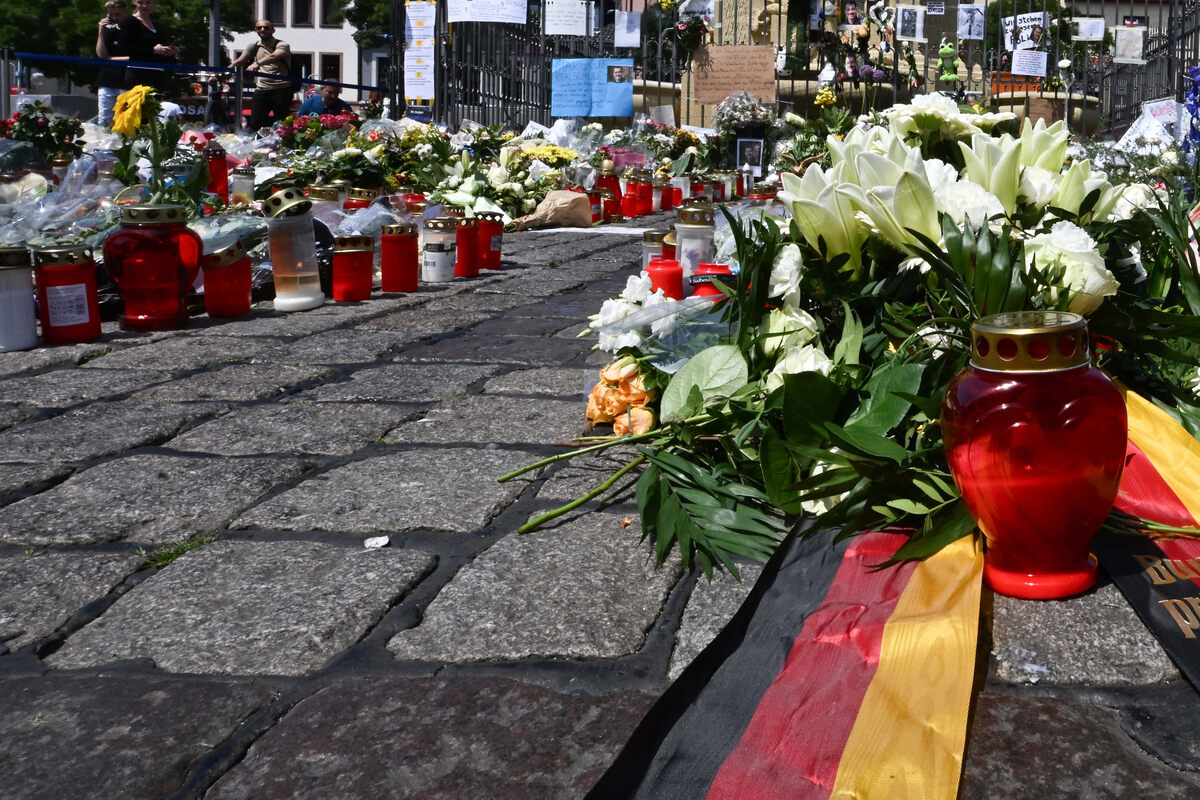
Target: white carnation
x,y
967,200
497,175
637,288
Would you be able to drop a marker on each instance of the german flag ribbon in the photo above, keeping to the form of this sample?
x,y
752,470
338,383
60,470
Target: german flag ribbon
x,y
836,679
1160,577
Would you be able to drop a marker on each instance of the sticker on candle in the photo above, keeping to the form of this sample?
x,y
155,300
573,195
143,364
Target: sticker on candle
x,y
67,305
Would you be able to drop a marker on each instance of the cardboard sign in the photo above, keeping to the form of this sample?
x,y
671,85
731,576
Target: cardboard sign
x,y
1024,31
719,71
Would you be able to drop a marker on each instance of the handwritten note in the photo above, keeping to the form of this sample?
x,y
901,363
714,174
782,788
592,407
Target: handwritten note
x,y
565,18
1029,62
486,11
718,71
591,87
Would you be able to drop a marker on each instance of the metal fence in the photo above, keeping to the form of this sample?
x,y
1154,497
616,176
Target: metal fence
x,y
499,74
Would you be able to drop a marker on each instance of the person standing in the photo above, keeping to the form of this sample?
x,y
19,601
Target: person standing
x,y
145,42
272,96
110,45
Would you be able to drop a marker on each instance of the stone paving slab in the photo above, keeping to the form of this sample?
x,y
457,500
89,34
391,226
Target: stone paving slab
x,y
583,473
39,593
708,611
1036,748
149,499
413,324
1094,639
334,347
99,738
571,382
402,382
278,608
181,353
266,323
535,285
12,413
16,477
495,419
99,429
295,427
582,589
238,383
518,326
496,349
450,738
475,303
453,490
61,388
42,357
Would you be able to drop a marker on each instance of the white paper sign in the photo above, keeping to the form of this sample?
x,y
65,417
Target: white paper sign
x,y
663,115
970,23
419,57
1031,63
565,18
486,11
910,23
419,27
1128,44
1146,136
1089,29
627,32
934,8
1024,31
1165,110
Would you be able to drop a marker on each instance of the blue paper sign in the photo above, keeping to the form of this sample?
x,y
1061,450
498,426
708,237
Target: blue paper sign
x,y
591,87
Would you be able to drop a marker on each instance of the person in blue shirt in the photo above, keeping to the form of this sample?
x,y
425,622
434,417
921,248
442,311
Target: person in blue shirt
x,y
327,102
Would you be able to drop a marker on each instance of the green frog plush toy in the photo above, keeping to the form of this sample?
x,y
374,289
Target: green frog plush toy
x,y
947,61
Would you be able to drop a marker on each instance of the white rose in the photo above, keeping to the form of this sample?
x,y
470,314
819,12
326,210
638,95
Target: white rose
x,y
1133,199
1070,247
787,328
796,360
967,200
497,175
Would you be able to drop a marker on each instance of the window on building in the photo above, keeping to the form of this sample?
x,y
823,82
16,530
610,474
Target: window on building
x,y
330,16
302,64
302,13
273,10
331,66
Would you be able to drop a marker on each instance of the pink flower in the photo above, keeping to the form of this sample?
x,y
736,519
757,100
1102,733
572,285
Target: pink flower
x,y
682,27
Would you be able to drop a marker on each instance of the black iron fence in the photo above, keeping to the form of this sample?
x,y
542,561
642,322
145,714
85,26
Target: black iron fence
x,y
1096,62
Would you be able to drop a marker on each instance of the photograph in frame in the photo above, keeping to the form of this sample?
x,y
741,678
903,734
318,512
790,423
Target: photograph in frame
x,y
750,151
910,23
970,23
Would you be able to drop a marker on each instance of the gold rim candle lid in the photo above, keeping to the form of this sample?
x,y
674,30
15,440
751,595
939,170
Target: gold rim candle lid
x,y
441,224
150,214
223,257
399,229
61,255
362,194
1029,341
696,215
322,193
654,237
287,203
354,244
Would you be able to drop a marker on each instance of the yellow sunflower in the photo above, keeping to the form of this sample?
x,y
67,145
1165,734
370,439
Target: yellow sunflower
x,y
127,114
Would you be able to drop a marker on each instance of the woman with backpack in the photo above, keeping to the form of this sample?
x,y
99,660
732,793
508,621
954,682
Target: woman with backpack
x,y
269,57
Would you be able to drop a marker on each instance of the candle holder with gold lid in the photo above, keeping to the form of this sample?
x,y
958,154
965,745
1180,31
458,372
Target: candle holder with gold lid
x,y
1035,436
153,258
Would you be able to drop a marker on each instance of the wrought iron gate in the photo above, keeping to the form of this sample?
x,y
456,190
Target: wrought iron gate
x,y
499,74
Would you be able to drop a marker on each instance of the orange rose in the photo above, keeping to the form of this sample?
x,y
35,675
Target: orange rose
x,y
619,370
604,404
635,420
633,391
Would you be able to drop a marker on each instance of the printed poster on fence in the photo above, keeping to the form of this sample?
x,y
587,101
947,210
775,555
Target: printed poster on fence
x,y
486,11
719,71
419,38
591,87
1024,31
565,18
627,29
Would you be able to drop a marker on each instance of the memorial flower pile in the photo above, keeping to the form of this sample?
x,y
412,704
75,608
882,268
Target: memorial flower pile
x,y
300,133
846,321
52,134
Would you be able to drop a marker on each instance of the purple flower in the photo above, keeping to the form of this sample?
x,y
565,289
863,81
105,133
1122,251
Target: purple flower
x,y
865,72
879,76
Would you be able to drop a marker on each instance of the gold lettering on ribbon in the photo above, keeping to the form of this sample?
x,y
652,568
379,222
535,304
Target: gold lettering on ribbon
x,y
1186,614
1184,570
1155,569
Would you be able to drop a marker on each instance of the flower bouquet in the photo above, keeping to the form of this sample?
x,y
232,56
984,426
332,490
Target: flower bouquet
x,y
843,326
54,135
301,133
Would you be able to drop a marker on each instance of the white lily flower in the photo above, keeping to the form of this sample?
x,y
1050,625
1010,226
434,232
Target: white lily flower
x,y
787,327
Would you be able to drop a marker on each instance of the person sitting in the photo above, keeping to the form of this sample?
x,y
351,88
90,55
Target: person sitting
x,y
327,102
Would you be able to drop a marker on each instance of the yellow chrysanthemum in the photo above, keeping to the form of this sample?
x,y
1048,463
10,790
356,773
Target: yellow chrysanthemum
x,y
127,113
825,97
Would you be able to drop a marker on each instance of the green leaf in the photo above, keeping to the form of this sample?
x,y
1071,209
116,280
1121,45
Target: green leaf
x,y
716,372
941,529
778,471
883,408
810,399
869,443
847,349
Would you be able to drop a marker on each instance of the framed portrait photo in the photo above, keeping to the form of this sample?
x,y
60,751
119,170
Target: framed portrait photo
x,y
750,152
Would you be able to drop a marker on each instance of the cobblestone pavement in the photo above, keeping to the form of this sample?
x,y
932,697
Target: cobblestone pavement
x,y
283,658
